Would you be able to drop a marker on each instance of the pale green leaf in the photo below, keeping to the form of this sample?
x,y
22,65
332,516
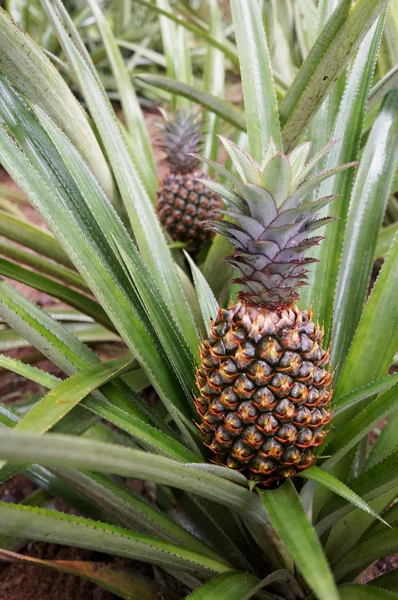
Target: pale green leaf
x,y
40,524
33,74
290,521
261,106
208,304
327,59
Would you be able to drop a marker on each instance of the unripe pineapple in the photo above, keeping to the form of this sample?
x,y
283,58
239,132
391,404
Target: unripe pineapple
x,y
184,202
264,384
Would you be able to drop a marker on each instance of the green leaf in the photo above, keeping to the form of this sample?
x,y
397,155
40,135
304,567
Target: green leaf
x,y
214,82
33,74
141,145
125,583
347,133
217,273
385,239
261,105
72,452
230,586
367,391
43,265
228,50
67,394
387,581
376,351
223,109
338,487
347,531
60,346
327,59
362,592
25,233
39,524
148,436
383,86
377,480
58,290
351,432
367,551
368,202
145,224
173,342
41,377
238,586
208,303
290,521
67,213
131,511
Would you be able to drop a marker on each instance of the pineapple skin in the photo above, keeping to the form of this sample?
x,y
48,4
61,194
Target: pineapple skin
x,y
264,391
183,205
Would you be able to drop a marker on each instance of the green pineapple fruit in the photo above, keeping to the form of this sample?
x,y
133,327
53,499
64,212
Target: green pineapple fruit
x,y
264,383
183,202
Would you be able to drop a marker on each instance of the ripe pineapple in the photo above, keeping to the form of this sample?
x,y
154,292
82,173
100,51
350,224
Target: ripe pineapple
x,y
183,201
264,387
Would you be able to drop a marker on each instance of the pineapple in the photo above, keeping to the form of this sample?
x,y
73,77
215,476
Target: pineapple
x,y
184,202
264,384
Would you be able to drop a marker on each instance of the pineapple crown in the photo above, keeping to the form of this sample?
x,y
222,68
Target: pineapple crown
x,y
181,140
272,224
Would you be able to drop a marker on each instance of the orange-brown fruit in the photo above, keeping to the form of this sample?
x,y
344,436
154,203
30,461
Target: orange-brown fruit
x,y
184,203
264,391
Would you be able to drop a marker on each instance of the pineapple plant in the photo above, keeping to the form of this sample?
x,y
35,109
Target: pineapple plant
x,y
183,201
264,384
274,525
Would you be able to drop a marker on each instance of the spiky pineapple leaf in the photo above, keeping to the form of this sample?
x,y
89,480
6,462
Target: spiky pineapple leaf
x,y
347,132
367,206
223,109
362,592
68,393
207,301
146,227
40,524
383,86
65,350
261,105
25,233
47,412
31,71
338,487
62,292
367,391
328,58
132,511
388,581
228,49
359,426
375,481
43,265
122,582
373,547
141,145
84,240
214,82
240,586
230,586
377,351
385,239
291,523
